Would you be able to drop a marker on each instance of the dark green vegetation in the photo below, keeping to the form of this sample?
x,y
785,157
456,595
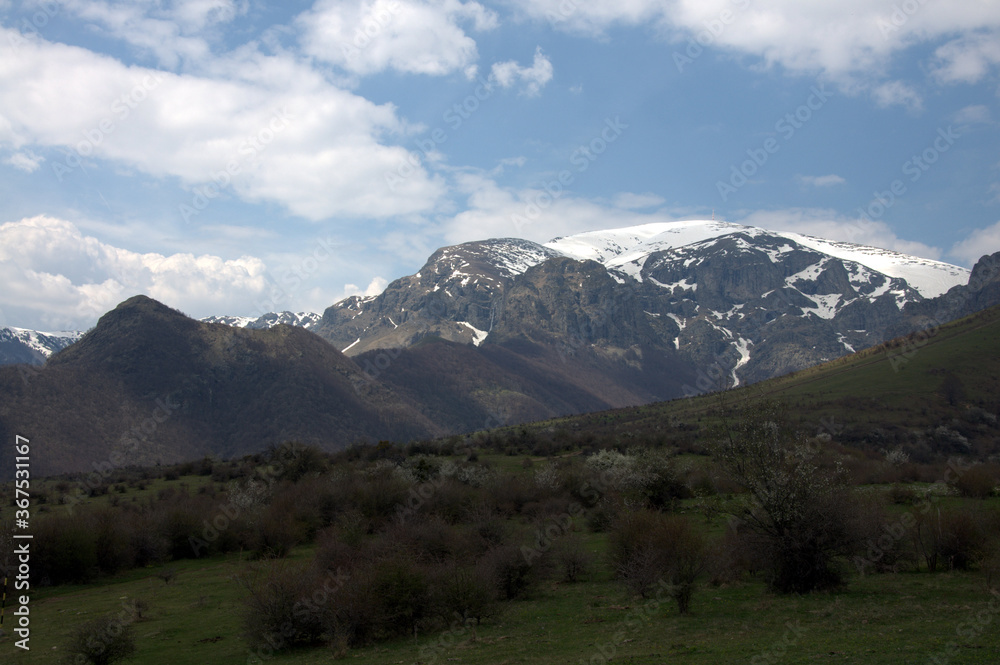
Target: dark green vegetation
x,y
483,550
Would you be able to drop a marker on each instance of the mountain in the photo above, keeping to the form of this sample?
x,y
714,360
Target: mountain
x,y
305,320
453,296
18,345
148,384
927,396
741,303
32,347
487,333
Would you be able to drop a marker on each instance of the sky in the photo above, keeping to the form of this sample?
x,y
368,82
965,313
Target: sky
x,y
239,157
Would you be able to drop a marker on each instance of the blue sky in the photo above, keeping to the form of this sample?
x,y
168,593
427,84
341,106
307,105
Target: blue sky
x,y
236,157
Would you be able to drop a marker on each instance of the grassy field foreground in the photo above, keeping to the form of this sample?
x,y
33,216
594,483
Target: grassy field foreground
x,y
901,618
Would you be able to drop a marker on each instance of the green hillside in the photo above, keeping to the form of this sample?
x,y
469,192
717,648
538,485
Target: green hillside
x,y
897,393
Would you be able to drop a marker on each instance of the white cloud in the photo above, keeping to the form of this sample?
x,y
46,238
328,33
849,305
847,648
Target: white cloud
x,y
493,211
534,78
897,93
978,243
55,277
977,114
25,160
294,138
410,36
820,180
630,201
592,17
852,41
968,58
374,288
171,32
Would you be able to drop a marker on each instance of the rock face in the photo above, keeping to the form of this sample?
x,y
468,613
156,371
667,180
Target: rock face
x,y
982,291
738,304
453,297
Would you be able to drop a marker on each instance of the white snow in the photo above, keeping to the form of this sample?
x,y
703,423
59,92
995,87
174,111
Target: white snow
x,y
627,249
478,336
680,322
743,348
930,278
350,346
826,307
35,339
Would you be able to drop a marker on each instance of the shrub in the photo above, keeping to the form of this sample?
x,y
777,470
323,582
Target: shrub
x,y
902,495
353,619
277,613
401,593
65,550
510,573
101,641
276,535
463,592
963,542
881,542
573,559
113,545
978,482
650,550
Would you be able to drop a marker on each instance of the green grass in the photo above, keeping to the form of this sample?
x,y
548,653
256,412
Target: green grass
x,y
878,619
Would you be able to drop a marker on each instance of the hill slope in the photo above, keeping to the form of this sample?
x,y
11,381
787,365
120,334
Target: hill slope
x,y
148,384
932,394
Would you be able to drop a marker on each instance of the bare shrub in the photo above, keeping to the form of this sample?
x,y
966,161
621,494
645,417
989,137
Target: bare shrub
x,y
461,591
648,550
274,613
902,495
101,641
401,593
573,559
510,573
979,482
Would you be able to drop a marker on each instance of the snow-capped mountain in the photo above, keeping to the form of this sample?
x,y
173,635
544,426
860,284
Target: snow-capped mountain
x,y
741,302
453,296
626,250
298,319
19,345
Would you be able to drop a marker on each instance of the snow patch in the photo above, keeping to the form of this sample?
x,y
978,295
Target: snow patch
x,y
478,336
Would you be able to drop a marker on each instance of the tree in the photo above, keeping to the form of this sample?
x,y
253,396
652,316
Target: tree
x,y
799,513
